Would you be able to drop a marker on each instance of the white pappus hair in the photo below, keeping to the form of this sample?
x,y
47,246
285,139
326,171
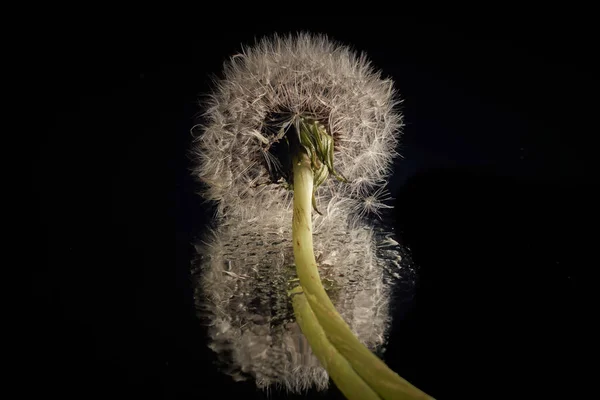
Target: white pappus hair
x,y
246,263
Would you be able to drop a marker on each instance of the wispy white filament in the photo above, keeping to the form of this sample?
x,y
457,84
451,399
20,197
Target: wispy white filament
x,y
246,263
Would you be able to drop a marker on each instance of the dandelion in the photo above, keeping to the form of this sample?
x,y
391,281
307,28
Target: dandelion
x,y
298,123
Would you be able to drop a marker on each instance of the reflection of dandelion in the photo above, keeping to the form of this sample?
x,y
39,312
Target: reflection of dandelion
x,y
245,266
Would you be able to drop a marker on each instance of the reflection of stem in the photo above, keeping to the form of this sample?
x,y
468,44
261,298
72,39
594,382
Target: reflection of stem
x,y
328,334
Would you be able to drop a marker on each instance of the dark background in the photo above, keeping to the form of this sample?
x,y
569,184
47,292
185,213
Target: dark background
x,y
496,197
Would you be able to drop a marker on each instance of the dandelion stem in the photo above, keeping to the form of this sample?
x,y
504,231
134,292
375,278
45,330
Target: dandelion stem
x,y
339,369
328,334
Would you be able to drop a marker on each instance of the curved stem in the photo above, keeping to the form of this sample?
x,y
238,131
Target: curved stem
x,y
371,369
338,368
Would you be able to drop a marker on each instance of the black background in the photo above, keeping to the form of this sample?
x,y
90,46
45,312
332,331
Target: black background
x,y
495,196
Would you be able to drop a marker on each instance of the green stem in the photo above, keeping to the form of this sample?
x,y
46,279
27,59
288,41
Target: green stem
x,y
338,368
371,369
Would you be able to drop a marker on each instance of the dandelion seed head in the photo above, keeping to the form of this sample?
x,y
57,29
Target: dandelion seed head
x,y
304,74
